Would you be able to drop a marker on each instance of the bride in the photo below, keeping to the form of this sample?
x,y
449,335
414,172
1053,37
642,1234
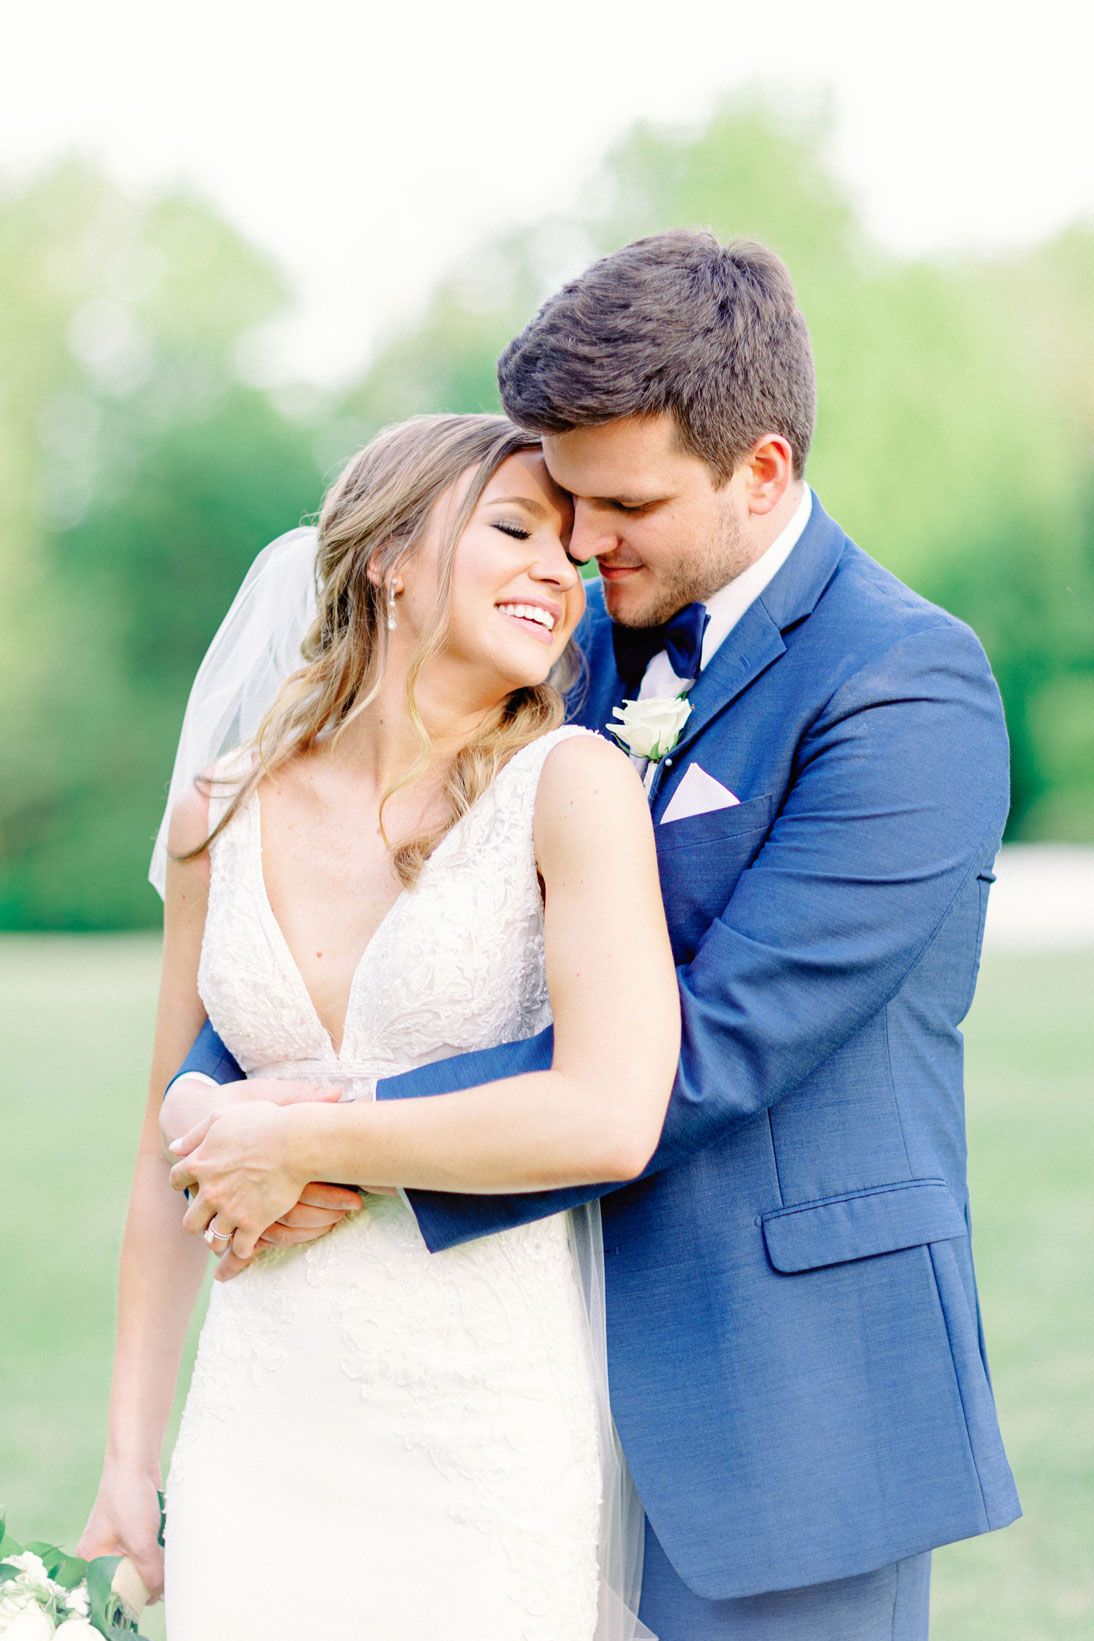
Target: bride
x,y
414,858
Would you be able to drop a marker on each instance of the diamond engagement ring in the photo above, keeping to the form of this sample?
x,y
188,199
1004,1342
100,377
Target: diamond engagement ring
x,y
221,1236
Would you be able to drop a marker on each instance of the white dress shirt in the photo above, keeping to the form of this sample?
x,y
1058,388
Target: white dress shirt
x,y
728,604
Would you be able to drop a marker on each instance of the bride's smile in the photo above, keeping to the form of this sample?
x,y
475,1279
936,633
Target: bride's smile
x,y
515,595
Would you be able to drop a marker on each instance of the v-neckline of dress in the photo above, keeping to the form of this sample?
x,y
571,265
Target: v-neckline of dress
x,y
293,967
287,952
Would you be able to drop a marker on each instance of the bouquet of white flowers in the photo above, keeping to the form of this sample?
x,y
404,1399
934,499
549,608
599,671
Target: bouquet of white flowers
x,y
44,1593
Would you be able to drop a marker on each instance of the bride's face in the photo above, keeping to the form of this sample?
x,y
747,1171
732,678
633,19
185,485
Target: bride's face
x,y
516,596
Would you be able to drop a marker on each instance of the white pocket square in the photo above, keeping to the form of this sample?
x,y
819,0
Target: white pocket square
x,y
698,794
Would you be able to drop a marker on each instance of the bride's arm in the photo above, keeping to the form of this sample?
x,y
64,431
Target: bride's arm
x,y
595,1115
161,1267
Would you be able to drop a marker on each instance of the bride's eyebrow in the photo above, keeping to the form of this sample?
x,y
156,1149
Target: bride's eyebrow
x,y
529,503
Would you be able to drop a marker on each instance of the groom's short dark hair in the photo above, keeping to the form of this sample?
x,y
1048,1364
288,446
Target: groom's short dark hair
x,y
678,322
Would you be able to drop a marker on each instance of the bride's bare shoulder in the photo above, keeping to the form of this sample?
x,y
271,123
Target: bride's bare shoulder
x,y
586,756
591,783
189,820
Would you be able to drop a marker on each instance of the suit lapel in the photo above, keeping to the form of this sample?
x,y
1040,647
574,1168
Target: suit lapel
x,y
748,650
757,642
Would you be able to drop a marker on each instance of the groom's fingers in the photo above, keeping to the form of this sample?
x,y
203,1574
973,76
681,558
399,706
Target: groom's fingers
x,y
291,1231
320,1195
304,1218
244,1241
283,1236
230,1264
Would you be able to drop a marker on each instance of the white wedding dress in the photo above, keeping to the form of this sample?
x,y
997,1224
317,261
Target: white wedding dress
x,y
380,1442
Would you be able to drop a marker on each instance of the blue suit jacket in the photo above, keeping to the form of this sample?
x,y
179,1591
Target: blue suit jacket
x,y
797,1368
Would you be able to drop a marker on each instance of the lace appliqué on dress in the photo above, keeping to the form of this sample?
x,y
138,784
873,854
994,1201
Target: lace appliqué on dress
x,y
477,1358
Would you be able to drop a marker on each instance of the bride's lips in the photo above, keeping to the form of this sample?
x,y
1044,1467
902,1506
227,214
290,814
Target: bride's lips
x,y
538,625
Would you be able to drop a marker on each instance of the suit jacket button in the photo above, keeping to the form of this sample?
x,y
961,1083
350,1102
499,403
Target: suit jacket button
x,y
668,763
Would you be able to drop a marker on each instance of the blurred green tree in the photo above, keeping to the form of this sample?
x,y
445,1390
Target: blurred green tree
x,y
141,469
142,476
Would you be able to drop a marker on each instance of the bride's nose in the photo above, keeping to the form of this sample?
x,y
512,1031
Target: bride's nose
x,y
557,567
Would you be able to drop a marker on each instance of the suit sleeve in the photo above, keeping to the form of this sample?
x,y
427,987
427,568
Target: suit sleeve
x,y
210,1058
899,795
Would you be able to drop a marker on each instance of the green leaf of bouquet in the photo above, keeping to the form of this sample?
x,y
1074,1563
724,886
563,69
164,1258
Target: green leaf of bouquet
x,y
71,1570
52,1556
44,1550
100,1572
7,1571
163,1519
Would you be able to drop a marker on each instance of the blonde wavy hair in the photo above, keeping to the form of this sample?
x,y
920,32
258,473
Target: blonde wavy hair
x,y
370,525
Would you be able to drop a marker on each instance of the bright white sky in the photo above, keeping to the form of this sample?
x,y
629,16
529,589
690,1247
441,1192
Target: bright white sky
x,y
368,146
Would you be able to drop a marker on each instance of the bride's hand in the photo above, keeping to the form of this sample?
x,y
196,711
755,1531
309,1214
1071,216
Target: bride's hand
x,y
125,1521
242,1161
320,1208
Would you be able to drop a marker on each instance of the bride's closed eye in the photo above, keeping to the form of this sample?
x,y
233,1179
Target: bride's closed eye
x,y
517,531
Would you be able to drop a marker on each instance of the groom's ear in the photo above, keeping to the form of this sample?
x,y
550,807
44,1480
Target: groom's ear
x,y
767,472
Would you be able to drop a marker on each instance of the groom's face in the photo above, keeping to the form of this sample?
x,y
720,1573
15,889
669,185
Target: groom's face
x,y
662,531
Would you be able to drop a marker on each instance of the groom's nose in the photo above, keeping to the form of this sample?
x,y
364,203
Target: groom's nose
x,y
591,534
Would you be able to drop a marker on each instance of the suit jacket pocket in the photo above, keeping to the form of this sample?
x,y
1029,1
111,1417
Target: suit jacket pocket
x,y
696,830
700,859
861,1224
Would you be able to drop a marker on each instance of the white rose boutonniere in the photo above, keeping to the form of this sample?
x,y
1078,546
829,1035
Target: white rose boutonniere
x,y
649,729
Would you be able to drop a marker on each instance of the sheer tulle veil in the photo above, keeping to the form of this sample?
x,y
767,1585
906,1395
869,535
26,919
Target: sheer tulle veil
x,y
254,650
256,647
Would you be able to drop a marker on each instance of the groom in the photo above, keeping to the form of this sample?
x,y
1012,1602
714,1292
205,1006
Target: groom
x,y
797,1367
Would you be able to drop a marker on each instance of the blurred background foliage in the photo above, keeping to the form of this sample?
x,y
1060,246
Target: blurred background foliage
x,y
146,455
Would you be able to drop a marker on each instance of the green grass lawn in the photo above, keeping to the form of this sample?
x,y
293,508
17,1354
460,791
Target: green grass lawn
x,y
75,1032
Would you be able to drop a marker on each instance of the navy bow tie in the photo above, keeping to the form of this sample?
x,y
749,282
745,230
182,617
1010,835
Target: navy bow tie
x,y
681,638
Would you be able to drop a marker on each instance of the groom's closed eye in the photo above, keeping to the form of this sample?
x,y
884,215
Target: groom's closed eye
x,y
631,504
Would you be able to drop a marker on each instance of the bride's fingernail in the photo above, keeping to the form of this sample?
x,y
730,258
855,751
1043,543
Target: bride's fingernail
x,y
176,1145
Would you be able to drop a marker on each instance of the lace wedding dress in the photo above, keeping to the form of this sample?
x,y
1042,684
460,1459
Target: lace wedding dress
x,y
380,1442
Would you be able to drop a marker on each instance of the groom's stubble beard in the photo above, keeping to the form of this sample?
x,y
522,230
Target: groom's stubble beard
x,y
699,571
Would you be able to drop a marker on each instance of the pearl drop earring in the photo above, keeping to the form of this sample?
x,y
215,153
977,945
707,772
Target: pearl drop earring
x,y
391,622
